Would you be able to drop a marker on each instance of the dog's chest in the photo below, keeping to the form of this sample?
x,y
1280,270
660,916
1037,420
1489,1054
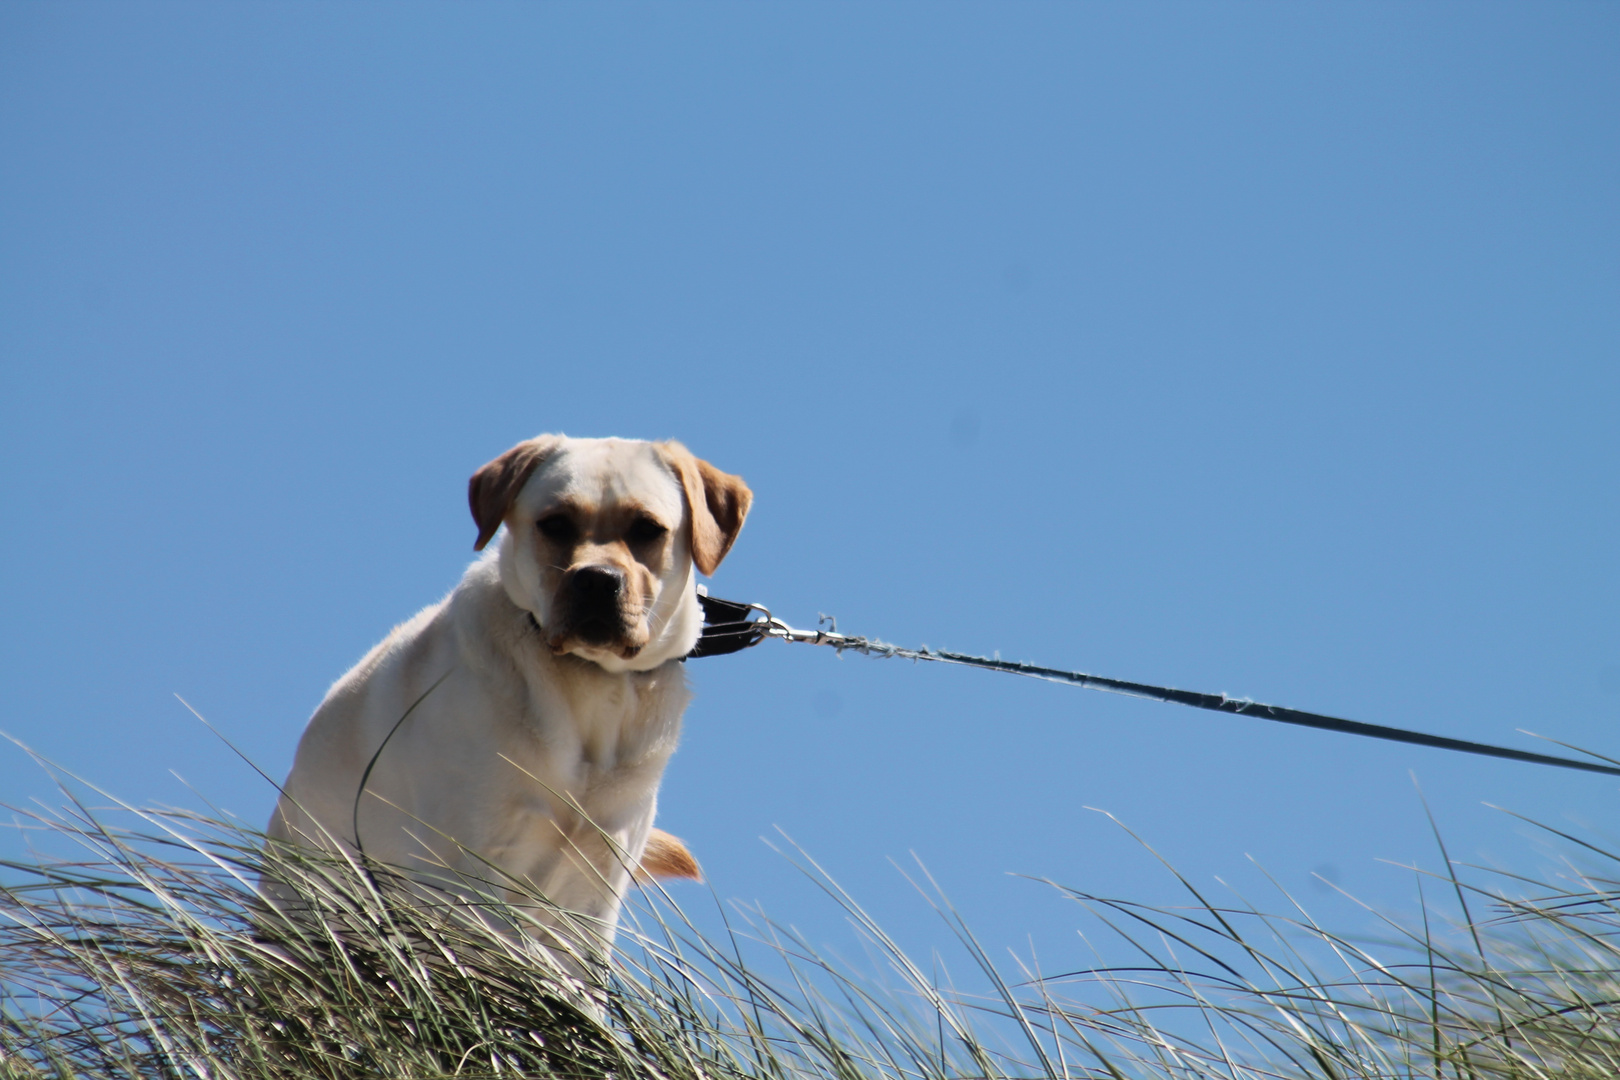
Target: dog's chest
x,y
601,734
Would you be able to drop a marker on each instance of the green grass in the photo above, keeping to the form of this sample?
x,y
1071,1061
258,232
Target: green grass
x,y
149,955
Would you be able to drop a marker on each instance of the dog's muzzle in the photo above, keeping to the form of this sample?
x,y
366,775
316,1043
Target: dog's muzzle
x,y
593,597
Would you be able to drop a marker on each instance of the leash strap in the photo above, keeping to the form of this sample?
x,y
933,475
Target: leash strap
x,y
731,627
727,627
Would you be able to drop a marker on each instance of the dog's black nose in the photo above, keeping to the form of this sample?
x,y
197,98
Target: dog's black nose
x,y
592,585
593,600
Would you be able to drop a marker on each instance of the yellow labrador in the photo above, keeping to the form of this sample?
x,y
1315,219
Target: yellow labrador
x,y
521,726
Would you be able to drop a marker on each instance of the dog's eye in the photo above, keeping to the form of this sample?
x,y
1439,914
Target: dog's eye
x,y
644,530
558,527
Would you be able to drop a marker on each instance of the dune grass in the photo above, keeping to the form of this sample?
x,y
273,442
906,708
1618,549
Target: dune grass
x,y
149,954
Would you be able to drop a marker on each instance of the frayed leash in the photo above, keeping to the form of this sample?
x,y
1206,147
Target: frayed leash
x,y
731,627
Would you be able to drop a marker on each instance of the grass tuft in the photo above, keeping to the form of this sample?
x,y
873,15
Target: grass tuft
x,y
151,955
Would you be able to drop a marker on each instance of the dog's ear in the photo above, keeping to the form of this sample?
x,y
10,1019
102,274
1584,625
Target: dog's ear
x,y
719,503
492,489
666,857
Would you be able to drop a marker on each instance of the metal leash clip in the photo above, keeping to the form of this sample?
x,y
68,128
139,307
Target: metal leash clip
x,y
729,626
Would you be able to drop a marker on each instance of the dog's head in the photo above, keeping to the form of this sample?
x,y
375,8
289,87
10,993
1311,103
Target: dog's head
x,y
601,538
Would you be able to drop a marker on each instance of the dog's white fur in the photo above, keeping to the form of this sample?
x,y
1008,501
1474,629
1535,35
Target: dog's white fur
x,y
538,727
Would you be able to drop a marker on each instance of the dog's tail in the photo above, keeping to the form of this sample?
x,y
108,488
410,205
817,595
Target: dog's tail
x,y
666,857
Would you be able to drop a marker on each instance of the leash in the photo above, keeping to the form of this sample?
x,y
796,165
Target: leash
x,y
730,627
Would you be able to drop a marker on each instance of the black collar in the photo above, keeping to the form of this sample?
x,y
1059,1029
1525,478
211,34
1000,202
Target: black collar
x,y
726,628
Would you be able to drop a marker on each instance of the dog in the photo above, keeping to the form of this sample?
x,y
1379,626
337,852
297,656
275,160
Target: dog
x,y
510,740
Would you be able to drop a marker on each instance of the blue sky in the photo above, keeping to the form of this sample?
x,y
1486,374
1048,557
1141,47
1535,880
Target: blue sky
x,y
1266,349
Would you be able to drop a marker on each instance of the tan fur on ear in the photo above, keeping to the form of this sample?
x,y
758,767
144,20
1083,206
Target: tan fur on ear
x,y
666,857
492,489
719,503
